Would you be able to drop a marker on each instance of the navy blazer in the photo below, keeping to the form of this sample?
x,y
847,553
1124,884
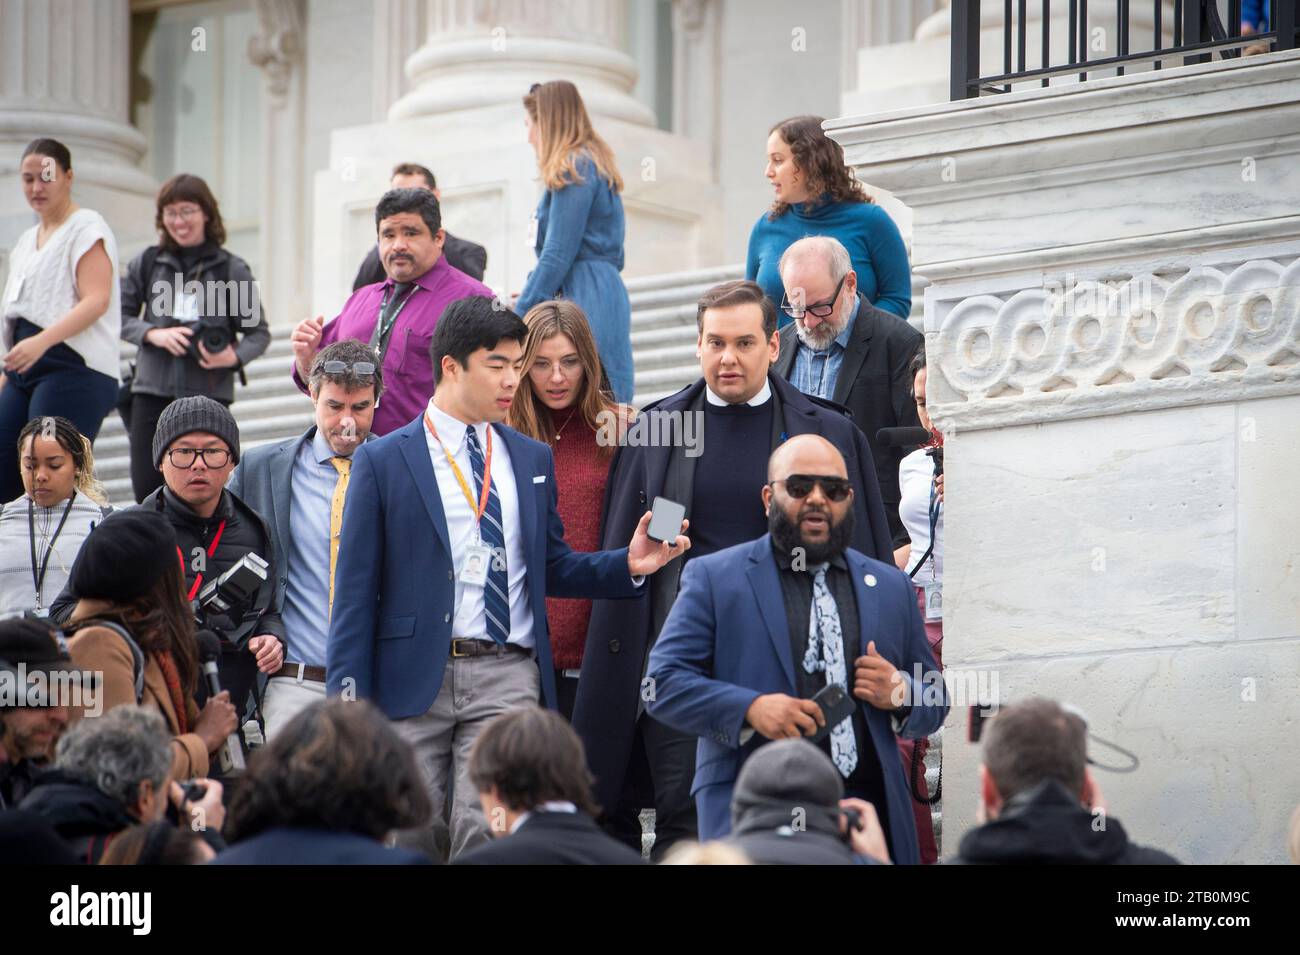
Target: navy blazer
x,y
394,583
727,641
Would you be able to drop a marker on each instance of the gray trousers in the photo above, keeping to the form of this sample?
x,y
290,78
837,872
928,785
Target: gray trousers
x,y
474,690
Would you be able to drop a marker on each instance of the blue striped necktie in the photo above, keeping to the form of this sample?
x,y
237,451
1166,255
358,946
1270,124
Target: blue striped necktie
x,y
496,603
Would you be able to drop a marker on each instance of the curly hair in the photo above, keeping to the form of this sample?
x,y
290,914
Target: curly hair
x,y
337,765
821,160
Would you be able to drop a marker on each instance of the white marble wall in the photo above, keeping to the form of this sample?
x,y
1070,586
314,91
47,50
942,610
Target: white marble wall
x,y
1113,327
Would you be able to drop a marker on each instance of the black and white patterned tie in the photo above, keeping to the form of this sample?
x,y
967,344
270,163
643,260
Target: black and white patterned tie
x,y
825,652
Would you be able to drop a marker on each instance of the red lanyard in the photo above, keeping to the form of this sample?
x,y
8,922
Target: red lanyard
x,y
198,578
460,478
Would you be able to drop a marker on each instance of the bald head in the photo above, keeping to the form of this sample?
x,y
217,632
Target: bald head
x,y
805,454
809,499
821,289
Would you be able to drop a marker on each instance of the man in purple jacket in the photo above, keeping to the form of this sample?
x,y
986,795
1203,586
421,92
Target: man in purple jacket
x,y
396,316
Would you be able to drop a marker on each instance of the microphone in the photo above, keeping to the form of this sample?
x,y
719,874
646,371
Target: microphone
x,y
231,755
902,437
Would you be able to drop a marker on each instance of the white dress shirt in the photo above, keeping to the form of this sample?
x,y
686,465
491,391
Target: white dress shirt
x,y
470,620
758,399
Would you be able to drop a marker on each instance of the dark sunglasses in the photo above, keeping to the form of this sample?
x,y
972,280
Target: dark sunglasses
x,y
362,369
799,486
822,310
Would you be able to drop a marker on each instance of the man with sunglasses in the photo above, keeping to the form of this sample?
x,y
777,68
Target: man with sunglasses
x,y
300,485
842,348
759,629
196,446
744,412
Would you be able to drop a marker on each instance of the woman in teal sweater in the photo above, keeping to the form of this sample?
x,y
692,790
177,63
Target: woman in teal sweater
x,y
817,194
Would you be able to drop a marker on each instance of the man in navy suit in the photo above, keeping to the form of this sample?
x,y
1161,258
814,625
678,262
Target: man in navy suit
x,y
758,629
440,592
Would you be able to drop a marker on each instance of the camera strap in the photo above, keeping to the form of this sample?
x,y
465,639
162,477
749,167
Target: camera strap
x,y
935,504
212,548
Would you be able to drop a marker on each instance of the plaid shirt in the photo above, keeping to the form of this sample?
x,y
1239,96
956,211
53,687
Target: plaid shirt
x,y
815,372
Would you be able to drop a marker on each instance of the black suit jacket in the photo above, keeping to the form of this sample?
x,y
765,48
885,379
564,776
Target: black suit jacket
x,y
554,838
875,386
621,633
460,254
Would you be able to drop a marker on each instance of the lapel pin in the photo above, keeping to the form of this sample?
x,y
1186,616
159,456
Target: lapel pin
x,y
869,580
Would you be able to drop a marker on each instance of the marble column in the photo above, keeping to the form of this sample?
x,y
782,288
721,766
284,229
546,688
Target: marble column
x,y
463,117
64,75
278,50
484,52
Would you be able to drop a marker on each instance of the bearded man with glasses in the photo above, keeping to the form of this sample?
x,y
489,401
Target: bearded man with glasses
x,y
842,348
765,636
196,446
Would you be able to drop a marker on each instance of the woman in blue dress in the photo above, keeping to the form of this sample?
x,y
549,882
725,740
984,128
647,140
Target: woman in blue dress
x,y
579,226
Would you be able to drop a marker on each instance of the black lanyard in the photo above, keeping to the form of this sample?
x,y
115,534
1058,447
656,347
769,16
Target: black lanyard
x,y
384,329
38,576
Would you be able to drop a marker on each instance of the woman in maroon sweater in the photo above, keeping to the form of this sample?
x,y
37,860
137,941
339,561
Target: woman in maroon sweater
x,y
565,401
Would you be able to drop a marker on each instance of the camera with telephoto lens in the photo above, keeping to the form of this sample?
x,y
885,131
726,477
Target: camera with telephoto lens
x,y
235,587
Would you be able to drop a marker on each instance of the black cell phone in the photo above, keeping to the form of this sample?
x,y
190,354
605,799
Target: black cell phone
x,y
837,706
665,520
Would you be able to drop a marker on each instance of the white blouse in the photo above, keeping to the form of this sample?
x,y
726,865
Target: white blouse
x,y
42,288
915,479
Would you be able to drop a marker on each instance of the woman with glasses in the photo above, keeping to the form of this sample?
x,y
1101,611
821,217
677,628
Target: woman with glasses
x,y
60,312
192,308
563,400
815,193
579,225
41,531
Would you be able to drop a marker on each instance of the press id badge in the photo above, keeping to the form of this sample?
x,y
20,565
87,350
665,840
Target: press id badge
x,y
187,307
933,601
475,570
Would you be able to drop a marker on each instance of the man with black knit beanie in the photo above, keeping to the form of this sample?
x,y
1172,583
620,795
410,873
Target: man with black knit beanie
x,y
196,446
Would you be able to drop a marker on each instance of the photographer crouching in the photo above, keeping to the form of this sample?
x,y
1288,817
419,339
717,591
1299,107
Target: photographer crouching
x,y
222,543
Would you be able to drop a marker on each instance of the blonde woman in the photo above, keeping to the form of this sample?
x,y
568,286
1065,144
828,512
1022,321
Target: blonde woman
x,y
579,225
41,532
563,401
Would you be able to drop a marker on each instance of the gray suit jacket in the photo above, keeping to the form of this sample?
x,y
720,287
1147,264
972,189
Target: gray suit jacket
x,y
263,480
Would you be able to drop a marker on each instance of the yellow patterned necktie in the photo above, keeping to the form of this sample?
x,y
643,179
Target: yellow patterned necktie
x,y
344,467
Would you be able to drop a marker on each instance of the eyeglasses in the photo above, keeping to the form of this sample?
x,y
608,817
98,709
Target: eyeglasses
x,y
212,457
821,310
362,369
799,486
185,212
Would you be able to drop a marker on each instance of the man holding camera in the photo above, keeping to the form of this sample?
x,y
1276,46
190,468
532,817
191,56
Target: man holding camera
x,y
224,545
770,638
300,486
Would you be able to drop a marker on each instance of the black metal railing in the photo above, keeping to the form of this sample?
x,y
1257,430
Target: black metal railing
x,y
1198,34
